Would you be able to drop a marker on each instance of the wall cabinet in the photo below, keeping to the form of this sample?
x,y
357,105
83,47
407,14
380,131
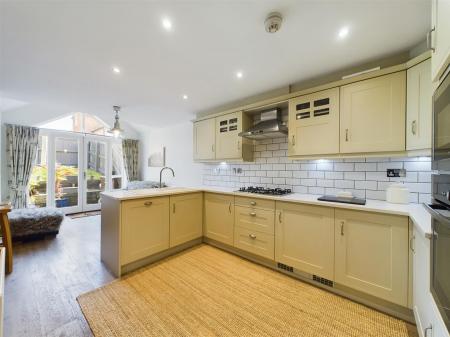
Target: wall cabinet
x,y
372,114
371,254
205,139
219,217
314,123
419,107
218,138
145,228
304,238
440,37
229,145
186,218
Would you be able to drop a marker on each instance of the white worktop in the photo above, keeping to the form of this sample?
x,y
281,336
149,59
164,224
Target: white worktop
x,y
416,212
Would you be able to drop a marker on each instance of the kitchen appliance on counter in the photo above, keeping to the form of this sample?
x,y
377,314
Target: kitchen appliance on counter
x,y
265,190
342,199
397,194
440,244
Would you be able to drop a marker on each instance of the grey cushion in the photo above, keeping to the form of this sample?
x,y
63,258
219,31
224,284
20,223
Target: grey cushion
x,y
33,221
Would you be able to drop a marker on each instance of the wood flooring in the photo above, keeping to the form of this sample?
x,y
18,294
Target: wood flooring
x,y
40,294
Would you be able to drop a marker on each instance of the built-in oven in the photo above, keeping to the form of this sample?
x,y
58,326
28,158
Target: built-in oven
x,y
441,126
440,244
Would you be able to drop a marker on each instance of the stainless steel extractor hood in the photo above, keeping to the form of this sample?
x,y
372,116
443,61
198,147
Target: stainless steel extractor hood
x,y
270,126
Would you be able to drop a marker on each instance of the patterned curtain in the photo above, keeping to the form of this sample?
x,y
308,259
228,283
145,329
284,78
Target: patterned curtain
x,y
130,150
22,145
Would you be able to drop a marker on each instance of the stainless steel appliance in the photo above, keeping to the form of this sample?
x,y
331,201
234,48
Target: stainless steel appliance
x,y
270,126
265,190
343,200
441,126
440,207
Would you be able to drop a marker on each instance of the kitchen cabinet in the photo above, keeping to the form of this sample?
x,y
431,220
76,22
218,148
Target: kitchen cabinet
x,y
440,37
186,218
422,298
229,145
145,228
254,226
219,217
304,238
205,139
419,106
314,124
372,114
371,254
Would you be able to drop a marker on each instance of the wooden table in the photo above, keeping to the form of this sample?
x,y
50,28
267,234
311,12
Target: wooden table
x,y
6,233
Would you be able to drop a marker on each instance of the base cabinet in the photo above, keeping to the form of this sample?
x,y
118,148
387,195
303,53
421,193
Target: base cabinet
x,y
219,217
304,238
186,218
145,228
371,254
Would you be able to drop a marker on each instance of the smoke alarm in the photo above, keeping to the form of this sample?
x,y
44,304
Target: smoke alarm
x,y
273,22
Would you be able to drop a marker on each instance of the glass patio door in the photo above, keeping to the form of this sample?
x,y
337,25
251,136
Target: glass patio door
x,y
67,182
96,158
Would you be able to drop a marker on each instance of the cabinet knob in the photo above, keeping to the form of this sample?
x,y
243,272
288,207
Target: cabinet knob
x,y
252,214
253,203
148,203
252,236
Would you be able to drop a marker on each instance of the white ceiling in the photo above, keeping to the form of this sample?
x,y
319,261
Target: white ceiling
x,y
59,54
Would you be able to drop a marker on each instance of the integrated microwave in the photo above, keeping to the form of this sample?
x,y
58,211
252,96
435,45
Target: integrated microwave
x,y
441,127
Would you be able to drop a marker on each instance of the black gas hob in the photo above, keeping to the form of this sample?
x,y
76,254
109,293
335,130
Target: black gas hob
x,y
265,190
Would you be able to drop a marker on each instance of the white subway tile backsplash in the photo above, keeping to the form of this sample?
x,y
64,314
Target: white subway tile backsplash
x,y
363,177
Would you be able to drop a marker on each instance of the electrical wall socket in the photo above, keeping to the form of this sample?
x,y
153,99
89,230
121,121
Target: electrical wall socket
x,y
395,173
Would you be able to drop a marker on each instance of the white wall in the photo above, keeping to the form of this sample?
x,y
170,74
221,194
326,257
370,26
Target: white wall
x,y
179,154
1,157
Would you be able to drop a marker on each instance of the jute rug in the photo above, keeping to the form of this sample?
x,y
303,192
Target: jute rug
x,y
207,292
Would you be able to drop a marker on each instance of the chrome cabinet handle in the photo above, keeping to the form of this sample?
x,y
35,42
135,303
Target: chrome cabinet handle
x,y
430,39
252,214
212,147
252,236
229,208
253,203
425,331
293,140
279,217
346,135
239,145
173,208
411,243
342,228
414,127
148,203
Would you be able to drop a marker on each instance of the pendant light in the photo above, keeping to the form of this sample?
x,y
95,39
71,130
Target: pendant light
x,y
116,130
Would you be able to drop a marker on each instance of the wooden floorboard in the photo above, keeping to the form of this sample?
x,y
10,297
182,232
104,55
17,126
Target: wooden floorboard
x,y
40,294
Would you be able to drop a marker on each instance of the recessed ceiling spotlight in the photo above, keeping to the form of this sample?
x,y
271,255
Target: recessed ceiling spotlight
x,y
343,32
116,70
185,96
167,24
239,74
273,22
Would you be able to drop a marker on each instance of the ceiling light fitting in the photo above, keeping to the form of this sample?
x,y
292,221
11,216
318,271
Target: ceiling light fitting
x,y
116,70
116,130
167,24
273,22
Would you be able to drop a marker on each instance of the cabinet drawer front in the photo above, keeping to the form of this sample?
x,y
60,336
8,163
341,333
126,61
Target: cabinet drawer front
x,y
255,202
257,243
260,220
